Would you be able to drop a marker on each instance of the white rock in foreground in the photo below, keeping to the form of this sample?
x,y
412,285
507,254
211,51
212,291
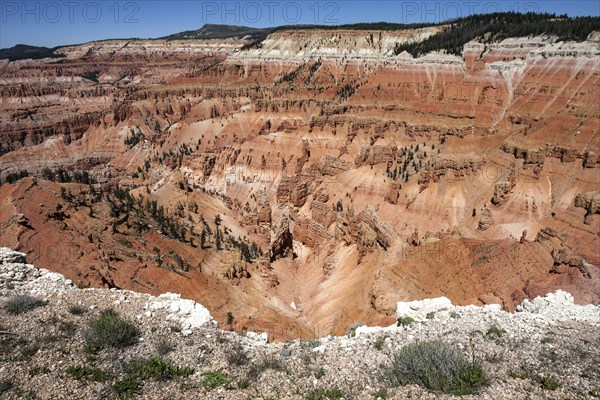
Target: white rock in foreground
x,y
557,306
418,309
560,305
15,273
257,338
188,313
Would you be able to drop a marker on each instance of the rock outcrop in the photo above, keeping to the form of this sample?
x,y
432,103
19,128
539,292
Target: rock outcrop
x,y
591,202
282,243
486,220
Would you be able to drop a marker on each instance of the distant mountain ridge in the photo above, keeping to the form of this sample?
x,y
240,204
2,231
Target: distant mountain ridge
x,y
23,52
458,32
214,31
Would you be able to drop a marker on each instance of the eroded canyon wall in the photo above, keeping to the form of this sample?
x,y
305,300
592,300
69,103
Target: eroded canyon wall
x,y
312,182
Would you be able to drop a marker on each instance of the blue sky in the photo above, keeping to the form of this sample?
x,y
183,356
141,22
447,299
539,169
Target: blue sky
x,y
52,23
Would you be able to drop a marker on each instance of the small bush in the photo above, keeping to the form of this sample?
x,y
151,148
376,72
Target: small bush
x,y
438,367
76,309
244,384
214,379
5,386
547,339
164,347
379,342
157,368
320,373
49,339
237,356
550,383
311,343
28,351
127,387
380,394
496,332
430,315
405,321
67,328
33,371
89,374
110,330
454,315
264,363
22,303
517,375
331,394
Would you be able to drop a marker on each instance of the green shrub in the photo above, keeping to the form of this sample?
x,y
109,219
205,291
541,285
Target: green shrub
x,y
331,394
22,303
430,315
127,387
214,379
550,383
379,342
438,367
110,330
157,368
320,373
405,321
380,394
496,332
81,373
244,384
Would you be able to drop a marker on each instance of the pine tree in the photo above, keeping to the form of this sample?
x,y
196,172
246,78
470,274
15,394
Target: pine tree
x,y
218,239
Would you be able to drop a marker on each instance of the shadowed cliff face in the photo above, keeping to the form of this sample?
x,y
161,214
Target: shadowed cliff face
x,y
310,183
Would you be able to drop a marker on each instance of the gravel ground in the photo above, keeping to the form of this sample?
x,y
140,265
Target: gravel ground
x,y
548,350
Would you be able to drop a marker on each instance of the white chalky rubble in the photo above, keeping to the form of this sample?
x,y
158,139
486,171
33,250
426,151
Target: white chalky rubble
x,y
188,313
16,274
557,306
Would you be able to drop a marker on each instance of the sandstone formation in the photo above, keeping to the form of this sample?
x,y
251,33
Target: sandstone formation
x,y
317,169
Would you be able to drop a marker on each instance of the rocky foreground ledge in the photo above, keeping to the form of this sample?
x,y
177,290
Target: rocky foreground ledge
x,y
548,349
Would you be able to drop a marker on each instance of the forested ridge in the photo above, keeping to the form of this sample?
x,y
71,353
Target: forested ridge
x,y
499,26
